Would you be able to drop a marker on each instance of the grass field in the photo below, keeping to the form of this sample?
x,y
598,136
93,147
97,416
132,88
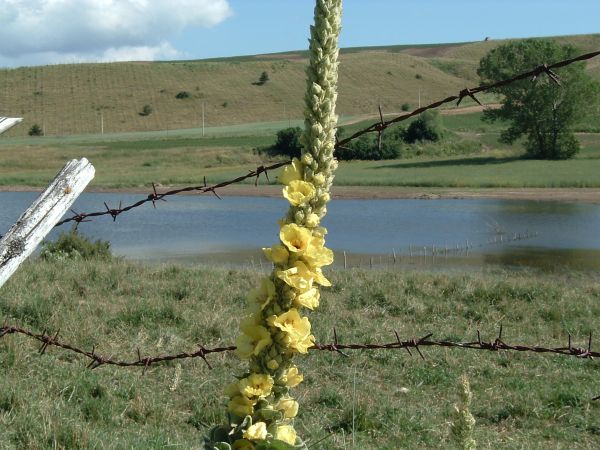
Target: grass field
x,y
371,400
185,157
81,98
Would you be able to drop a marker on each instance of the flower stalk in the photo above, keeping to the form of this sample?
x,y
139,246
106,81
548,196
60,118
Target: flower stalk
x,y
261,409
464,424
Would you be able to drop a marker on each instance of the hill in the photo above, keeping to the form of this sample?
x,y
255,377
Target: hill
x,y
84,98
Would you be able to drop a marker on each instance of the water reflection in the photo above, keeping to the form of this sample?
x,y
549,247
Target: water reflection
x,y
444,233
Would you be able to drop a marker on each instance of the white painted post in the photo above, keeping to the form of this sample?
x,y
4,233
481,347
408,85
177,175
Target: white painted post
x,y
35,223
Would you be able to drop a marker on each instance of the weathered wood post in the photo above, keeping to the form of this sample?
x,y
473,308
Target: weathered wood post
x,y
35,223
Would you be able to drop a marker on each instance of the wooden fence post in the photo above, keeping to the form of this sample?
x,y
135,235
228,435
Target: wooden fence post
x,y
35,223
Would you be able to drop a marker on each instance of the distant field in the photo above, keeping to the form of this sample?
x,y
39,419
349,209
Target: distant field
x,y
184,157
79,98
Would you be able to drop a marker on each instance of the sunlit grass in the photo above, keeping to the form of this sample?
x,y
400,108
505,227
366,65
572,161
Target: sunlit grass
x,y
520,400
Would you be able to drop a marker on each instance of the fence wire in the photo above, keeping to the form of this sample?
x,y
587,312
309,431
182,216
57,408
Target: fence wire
x,y
498,344
377,127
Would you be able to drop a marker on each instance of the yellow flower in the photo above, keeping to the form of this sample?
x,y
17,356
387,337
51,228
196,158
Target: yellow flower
x,y
288,406
256,385
292,172
316,254
253,339
308,299
240,406
263,295
292,377
277,254
299,192
286,433
243,444
320,278
301,343
298,276
296,238
256,432
297,330
232,390
273,365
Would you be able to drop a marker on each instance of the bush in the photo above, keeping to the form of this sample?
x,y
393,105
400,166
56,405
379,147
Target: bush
x,y
405,107
264,77
146,110
182,95
36,130
287,143
427,127
366,147
74,245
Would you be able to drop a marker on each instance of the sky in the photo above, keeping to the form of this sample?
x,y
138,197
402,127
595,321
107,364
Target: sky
x,y
39,32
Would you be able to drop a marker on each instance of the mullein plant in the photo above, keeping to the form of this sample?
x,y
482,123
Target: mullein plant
x,y
464,423
261,409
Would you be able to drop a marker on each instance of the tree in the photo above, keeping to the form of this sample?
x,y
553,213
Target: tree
x,y
426,128
36,130
264,77
542,110
288,142
146,110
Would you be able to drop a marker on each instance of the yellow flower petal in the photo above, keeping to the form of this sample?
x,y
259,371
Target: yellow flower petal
x,y
256,385
277,254
240,406
299,192
288,406
296,238
286,433
253,340
308,299
292,377
262,295
292,172
256,432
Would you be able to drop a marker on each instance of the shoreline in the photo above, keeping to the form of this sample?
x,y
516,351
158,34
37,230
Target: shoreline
x,y
584,195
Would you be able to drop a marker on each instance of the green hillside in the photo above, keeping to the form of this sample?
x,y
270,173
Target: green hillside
x,y
79,98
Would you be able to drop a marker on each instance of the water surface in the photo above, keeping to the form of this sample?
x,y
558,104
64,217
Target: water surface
x,y
470,232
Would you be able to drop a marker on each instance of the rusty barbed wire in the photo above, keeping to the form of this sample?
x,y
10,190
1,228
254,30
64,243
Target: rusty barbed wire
x,y
97,360
377,127
155,196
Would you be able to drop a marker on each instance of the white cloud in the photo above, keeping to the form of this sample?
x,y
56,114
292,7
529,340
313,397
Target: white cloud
x,y
54,31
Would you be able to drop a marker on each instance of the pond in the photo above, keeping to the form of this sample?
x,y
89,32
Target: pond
x,y
439,233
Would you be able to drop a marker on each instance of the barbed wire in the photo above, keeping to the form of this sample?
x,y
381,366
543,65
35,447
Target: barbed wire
x,y
97,360
377,127
155,196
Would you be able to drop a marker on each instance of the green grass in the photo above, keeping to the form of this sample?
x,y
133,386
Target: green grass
x,y
520,400
72,99
470,157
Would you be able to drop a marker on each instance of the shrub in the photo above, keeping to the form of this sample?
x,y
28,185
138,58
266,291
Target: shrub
x,y
366,147
264,77
146,110
36,130
287,143
74,245
426,128
405,107
182,95
419,76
